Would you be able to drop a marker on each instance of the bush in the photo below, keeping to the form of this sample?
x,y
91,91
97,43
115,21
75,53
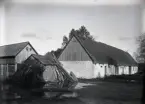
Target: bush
x,y
116,78
128,78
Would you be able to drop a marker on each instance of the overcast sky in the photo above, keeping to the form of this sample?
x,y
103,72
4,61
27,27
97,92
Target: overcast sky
x,y
44,24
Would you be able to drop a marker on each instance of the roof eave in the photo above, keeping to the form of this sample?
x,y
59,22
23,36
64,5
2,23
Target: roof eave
x,y
2,57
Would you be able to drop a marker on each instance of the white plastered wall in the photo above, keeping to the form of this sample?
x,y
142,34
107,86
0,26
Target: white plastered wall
x,y
82,69
99,70
125,69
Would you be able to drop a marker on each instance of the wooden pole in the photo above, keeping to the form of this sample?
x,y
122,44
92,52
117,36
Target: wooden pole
x,y
7,70
15,67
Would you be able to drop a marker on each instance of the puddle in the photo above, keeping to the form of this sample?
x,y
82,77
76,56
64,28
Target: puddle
x,y
82,85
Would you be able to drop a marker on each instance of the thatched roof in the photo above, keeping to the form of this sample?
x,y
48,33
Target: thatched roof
x,y
102,53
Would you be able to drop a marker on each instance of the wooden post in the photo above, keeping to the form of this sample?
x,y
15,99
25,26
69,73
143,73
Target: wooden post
x,y
7,70
123,70
116,70
105,70
15,67
1,72
129,69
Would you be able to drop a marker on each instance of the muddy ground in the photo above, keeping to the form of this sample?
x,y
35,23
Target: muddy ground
x,y
93,93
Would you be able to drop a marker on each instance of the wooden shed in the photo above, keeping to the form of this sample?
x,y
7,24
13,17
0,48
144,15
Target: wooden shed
x,y
12,55
47,69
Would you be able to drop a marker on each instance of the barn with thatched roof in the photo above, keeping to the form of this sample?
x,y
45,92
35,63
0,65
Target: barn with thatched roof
x,y
91,59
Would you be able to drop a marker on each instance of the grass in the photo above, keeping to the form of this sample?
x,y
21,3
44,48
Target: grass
x,y
117,78
99,93
112,91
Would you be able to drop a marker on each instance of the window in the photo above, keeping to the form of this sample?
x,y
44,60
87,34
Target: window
x,y
30,49
27,48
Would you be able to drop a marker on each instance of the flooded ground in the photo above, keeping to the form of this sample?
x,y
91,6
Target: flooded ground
x,y
88,93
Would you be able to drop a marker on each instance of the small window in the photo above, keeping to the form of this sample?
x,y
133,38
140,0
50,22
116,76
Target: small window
x,y
30,49
101,65
27,48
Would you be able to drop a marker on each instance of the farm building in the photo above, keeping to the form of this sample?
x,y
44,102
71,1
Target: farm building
x,y
48,65
91,59
47,69
12,55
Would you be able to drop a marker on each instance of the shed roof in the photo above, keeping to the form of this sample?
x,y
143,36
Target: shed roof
x,y
44,60
13,49
52,57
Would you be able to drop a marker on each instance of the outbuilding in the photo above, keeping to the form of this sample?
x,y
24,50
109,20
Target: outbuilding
x,y
12,55
91,59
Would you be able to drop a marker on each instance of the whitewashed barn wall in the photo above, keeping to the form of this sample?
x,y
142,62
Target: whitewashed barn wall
x,y
134,69
82,69
110,70
125,69
74,58
74,52
99,70
24,54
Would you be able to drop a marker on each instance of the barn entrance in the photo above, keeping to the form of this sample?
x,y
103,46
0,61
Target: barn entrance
x,y
105,70
129,69
116,70
6,70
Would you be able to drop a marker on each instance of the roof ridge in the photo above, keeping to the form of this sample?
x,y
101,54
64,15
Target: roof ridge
x,y
14,43
42,59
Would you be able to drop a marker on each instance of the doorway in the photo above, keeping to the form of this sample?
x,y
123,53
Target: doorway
x,y
105,70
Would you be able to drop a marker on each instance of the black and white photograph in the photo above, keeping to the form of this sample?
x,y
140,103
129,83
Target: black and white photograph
x,y
72,51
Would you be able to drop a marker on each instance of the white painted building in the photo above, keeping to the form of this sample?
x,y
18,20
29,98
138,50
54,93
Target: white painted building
x,y
90,59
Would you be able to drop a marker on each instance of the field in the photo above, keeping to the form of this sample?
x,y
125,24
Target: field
x,y
94,93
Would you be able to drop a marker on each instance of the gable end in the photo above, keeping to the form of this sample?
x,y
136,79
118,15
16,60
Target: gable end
x,y
74,42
